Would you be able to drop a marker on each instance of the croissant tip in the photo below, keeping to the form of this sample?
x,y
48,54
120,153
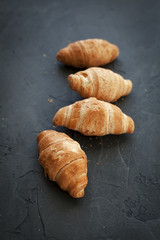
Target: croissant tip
x,y
129,86
56,119
60,55
73,81
39,136
42,134
70,80
79,194
131,126
70,77
116,51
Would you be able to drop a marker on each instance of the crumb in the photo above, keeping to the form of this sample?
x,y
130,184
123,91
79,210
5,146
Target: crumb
x,y
97,163
122,99
50,100
90,138
45,72
90,145
82,146
2,118
86,147
145,89
54,126
96,137
100,143
44,55
39,230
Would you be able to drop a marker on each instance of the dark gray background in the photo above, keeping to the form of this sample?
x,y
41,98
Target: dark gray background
x,y
122,199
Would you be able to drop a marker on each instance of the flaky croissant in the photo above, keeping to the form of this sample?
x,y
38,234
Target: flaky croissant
x,y
88,53
100,83
94,117
63,161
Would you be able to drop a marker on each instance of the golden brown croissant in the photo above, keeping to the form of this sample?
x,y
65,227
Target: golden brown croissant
x,y
63,161
88,53
100,83
94,117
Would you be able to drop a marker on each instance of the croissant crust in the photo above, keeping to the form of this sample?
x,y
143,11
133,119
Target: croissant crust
x,y
94,117
63,161
88,53
100,83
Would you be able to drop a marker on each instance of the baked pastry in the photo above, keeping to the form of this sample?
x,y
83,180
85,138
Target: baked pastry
x,y
94,117
100,83
88,53
63,161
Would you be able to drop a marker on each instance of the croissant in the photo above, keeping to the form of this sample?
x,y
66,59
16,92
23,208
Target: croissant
x,y
88,53
94,117
100,83
63,161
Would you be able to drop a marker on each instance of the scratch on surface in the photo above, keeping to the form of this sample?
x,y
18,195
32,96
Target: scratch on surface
x,y
23,220
31,171
59,98
128,171
144,221
123,161
13,231
110,184
127,167
40,215
152,219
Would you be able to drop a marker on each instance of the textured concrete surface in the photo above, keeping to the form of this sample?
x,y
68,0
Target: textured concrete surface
x,y
123,194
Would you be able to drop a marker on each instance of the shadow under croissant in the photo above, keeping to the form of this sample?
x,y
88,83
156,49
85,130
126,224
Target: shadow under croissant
x,y
85,141
116,66
65,70
54,194
82,139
